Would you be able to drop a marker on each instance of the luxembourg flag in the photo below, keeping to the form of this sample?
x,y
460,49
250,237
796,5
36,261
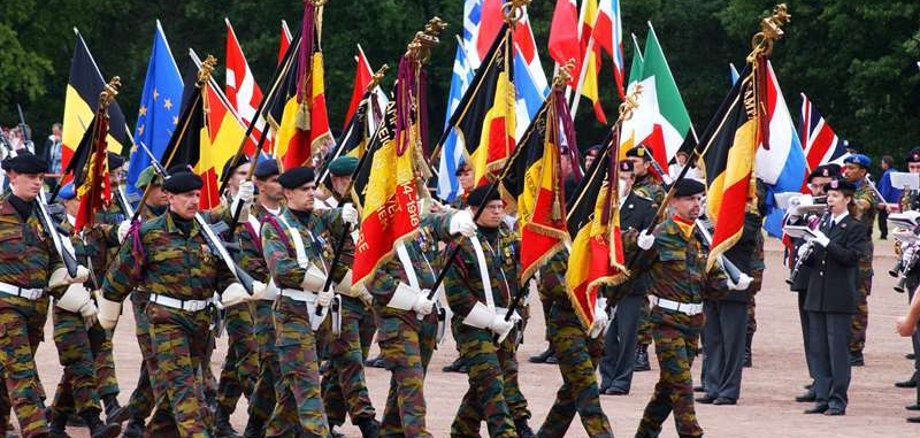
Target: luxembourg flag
x,y
781,164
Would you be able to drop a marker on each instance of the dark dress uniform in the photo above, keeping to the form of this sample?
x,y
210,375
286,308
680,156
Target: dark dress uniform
x,y
830,303
620,342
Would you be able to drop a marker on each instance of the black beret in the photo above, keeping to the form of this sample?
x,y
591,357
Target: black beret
x,y
914,155
826,171
296,177
478,196
343,166
626,166
182,181
840,185
266,168
593,149
230,166
25,163
115,160
688,187
639,151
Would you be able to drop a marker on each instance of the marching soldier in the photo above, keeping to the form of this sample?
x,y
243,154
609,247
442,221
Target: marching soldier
x,y
621,340
77,336
837,248
294,258
481,286
866,204
910,201
407,322
171,260
675,257
465,176
344,384
30,267
648,186
268,204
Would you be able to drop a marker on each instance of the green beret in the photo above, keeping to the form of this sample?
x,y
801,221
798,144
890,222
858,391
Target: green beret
x,y
343,166
148,176
182,181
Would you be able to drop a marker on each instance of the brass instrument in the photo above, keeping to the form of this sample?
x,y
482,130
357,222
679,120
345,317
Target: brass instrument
x,y
907,241
813,222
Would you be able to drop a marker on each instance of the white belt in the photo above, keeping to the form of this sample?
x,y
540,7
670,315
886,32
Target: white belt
x,y
689,309
299,295
187,305
29,294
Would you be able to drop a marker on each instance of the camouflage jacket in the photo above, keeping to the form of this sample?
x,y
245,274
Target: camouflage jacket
x,y
27,255
250,255
553,292
423,250
92,247
676,266
649,187
162,260
866,206
279,250
463,282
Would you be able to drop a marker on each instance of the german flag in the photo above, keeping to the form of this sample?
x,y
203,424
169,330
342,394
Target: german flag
x,y
596,257
83,88
485,116
534,184
298,114
729,147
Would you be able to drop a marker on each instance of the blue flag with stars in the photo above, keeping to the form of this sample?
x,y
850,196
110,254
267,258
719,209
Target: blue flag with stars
x,y
159,109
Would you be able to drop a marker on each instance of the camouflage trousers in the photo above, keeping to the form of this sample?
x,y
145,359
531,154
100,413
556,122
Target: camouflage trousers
x,y
21,330
344,386
299,401
77,347
180,350
675,349
860,321
756,285
578,357
142,398
645,326
406,349
264,395
492,379
241,367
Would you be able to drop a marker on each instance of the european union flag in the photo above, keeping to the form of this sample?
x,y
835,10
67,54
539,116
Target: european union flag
x,y
158,114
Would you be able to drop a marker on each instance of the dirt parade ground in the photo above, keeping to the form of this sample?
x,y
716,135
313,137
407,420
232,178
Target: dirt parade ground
x,y
766,407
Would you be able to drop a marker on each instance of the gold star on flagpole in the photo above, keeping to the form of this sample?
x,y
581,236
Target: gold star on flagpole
x,y
167,104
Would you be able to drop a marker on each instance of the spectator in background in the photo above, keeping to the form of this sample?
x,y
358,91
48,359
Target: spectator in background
x,y
890,193
53,150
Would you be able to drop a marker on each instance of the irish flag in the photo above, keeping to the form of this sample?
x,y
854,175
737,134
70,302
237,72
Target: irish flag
x,y
661,122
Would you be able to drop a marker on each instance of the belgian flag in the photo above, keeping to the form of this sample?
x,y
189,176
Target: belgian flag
x,y
485,117
729,146
298,112
83,88
534,185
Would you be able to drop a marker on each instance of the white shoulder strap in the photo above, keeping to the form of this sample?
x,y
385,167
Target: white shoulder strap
x,y
403,255
302,260
483,272
255,224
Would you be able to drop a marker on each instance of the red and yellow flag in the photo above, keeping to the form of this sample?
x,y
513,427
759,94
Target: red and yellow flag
x,y
91,164
220,139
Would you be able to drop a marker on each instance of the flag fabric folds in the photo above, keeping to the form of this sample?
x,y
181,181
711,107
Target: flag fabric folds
x,y
608,32
83,87
564,44
92,182
821,143
729,147
242,90
160,104
363,76
452,148
285,41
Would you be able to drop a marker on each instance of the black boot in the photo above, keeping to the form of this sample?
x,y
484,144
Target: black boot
x,y
457,366
254,428
748,357
134,428
374,362
523,429
856,359
641,363
370,427
57,424
115,413
542,356
222,426
97,428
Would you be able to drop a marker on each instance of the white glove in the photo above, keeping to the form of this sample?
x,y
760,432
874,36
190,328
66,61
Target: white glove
x,y
60,277
646,240
806,200
324,298
600,318
349,214
744,281
500,326
259,290
90,314
423,305
821,238
233,295
365,296
123,229
313,280
803,249
244,195
109,311
462,223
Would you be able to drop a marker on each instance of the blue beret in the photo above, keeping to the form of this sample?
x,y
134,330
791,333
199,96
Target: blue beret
x,y
67,192
859,160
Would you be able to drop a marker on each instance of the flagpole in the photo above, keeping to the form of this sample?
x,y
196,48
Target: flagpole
x,y
581,77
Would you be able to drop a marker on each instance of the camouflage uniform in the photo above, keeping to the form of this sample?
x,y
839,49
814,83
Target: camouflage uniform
x,y
167,262
28,259
578,357
494,390
650,188
676,265
299,400
407,343
866,208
